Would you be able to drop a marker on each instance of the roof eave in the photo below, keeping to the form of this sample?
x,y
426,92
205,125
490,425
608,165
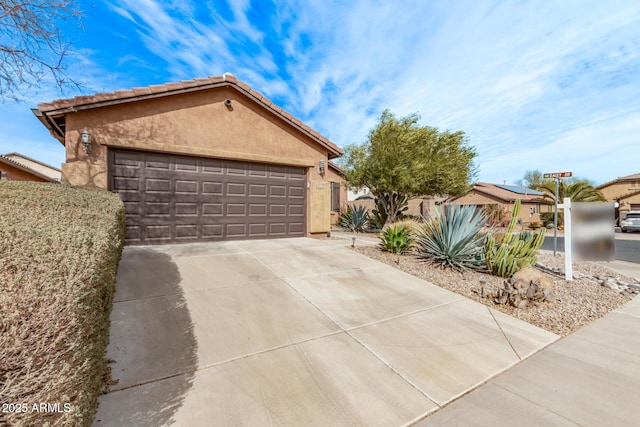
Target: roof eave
x,y
45,115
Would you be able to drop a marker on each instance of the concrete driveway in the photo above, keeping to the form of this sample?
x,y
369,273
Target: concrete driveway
x,y
293,332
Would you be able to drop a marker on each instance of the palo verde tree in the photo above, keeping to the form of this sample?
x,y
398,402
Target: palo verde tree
x,y
403,157
32,48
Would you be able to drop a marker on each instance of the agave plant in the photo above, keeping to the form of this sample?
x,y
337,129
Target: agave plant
x,y
453,238
355,219
396,239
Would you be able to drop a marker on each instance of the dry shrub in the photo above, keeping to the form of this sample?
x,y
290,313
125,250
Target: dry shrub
x,y
59,252
410,224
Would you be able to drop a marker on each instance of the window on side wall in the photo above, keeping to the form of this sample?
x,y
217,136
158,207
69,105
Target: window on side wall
x,y
335,197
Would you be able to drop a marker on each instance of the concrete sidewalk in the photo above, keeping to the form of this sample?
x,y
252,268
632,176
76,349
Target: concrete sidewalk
x,y
590,378
294,332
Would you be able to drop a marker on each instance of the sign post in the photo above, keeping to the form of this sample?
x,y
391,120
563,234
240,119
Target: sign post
x,y
557,176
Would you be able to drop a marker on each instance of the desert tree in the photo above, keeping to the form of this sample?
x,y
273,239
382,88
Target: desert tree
x,y
400,156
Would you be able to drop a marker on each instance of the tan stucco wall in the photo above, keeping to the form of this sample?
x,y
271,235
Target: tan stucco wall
x,y
525,207
15,174
617,189
197,124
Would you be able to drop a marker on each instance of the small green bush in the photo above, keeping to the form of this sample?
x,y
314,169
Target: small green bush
x,y
59,251
396,239
534,225
355,219
547,217
453,238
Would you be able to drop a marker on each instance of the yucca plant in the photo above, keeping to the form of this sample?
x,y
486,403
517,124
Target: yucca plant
x,y
394,203
355,219
452,238
396,239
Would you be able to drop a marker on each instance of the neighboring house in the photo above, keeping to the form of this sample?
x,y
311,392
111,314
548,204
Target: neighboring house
x,y
625,191
335,175
417,206
17,167
202,159
483,194
353,193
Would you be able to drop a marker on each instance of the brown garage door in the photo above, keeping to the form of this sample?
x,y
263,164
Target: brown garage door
x,y
170,198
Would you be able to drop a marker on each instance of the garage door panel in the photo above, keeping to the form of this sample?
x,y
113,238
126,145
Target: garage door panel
x,y
258,190
179,198
296,192
127,183
296,174
236,189
212,166
236,209
236,230
213,188
277,191
157,185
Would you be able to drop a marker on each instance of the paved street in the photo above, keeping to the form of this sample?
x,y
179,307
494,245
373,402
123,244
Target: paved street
x,y
627,246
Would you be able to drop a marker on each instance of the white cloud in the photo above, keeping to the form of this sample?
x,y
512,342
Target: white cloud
x,y
535,85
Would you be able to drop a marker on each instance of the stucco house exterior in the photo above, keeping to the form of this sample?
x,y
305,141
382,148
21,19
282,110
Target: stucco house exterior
x,y
335,175
483,194
202,159
625,191
18,167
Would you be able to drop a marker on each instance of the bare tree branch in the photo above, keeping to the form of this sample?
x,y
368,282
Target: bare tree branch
x,y
32,47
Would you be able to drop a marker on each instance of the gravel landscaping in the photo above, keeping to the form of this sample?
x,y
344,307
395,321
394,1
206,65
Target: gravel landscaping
x,y
577,303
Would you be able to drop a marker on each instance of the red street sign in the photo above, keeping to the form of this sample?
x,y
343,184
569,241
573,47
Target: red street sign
x,y
557,175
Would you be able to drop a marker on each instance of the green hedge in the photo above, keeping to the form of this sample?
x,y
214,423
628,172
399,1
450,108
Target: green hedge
x,y
59,253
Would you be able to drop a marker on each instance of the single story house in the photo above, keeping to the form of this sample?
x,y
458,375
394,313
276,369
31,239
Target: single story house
x,y
18,167
484,194
197,160
625,191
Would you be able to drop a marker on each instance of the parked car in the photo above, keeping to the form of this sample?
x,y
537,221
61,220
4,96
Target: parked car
x,y
631,222
365,197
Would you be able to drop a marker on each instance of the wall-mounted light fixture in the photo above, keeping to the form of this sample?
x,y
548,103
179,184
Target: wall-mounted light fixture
x,y
85,138
228,104
321,167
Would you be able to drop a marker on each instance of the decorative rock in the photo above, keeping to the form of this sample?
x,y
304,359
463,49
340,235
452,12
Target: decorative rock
x,y
530,274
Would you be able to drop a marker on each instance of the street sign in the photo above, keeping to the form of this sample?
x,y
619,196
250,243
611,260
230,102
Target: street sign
x,y
558,175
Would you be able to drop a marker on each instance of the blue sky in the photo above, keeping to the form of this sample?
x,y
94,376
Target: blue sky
x,y
547,85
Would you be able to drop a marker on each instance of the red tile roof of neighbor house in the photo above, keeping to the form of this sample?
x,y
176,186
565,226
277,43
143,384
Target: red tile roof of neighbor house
x,y
633,177
496,191
59,107
15,155
7,161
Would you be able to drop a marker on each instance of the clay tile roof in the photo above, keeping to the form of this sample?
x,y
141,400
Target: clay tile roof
x,y
60,107
18,165
503,193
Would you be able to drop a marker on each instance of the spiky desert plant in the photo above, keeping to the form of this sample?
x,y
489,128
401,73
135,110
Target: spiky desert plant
x,y
355,219
515,252
452,238
396,239
390,207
